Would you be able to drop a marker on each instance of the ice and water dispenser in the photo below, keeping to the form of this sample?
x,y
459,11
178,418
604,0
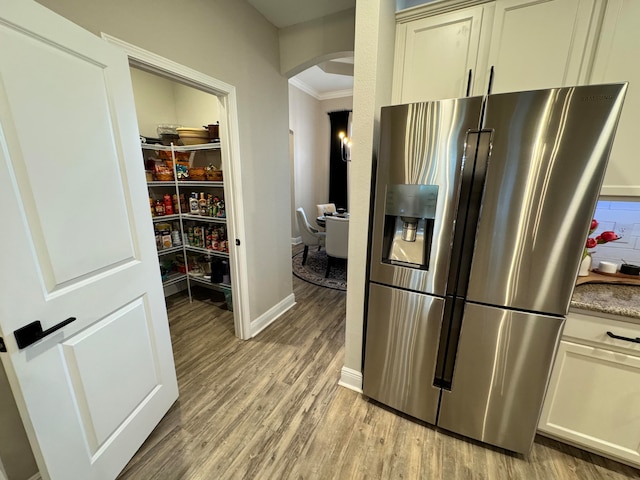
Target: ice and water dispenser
x,y
408,224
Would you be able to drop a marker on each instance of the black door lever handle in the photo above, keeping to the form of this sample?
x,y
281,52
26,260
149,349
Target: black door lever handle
x,y
30,334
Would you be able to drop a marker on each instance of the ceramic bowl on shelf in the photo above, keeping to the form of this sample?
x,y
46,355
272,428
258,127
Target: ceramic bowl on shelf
x,y
193,136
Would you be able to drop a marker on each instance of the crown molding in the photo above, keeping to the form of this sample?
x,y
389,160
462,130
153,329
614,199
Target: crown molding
x,y
337,94
305,88
317,95
434,8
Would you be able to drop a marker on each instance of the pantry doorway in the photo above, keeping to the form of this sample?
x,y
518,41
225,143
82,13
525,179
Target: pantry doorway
x,y
231,165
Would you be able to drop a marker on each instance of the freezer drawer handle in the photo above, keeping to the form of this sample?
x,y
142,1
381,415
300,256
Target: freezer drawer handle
x,y
30,334
627,339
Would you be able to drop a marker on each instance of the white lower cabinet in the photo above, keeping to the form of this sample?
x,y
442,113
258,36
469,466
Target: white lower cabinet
x,y
593,399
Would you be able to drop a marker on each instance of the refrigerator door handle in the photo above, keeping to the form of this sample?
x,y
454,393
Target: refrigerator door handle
x,y
471,193
491,72
469,79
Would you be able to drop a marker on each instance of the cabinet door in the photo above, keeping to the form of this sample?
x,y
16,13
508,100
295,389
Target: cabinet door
x,y
592,401
541,43
616,60
434,55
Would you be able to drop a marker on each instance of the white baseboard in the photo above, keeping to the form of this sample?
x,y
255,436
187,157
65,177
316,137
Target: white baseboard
x,y
271,315
296,241
351,379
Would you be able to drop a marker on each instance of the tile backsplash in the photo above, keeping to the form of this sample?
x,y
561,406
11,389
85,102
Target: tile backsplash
x,y
624,219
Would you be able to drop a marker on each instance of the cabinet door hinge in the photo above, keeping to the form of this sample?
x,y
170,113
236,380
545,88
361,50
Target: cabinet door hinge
x,y
3,347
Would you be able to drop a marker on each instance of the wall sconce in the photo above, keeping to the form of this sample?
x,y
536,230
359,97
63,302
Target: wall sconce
x,y
345,147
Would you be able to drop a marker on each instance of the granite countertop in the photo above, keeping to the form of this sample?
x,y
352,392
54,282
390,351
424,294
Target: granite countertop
x,y
622,300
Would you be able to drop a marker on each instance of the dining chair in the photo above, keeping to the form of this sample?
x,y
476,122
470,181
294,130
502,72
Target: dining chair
x,y
326,208
310,236
337,242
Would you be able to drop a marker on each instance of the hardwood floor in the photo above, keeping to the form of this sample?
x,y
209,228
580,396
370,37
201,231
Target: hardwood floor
x,y
270,408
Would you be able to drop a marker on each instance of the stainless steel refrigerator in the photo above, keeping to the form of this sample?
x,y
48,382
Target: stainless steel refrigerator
x,y
481,211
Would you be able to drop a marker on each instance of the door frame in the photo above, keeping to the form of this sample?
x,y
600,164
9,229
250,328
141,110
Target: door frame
x,y
231,164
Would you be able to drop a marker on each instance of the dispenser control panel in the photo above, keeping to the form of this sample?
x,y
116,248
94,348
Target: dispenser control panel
x,y
417,201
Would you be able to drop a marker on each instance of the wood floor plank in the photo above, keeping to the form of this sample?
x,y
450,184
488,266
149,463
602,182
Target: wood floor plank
x,y
270,408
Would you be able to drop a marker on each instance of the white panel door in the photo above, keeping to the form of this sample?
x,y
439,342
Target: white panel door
x,y
593,400
434,55
77,241
617,61
541,43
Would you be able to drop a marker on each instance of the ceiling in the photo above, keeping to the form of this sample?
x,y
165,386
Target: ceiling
x,y
315,81
284,13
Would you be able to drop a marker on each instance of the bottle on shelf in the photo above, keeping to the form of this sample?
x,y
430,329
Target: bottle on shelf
x,y
214,208
184,206
152,206
159,208
202,203
210,205
194,207
176,203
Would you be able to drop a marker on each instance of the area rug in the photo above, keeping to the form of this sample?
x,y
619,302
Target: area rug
x,y
313,271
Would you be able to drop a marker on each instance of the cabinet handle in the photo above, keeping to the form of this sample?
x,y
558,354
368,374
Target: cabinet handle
x,y
30,334
469,83
490,81
626,339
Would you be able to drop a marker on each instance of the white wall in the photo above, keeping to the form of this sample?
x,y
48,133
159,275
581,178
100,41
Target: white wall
x,y
373,62
309,121
155,101
310,171
228,40
306,44
195,108
159,100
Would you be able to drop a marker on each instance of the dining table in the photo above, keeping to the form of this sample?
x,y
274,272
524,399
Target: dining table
x,y
321,221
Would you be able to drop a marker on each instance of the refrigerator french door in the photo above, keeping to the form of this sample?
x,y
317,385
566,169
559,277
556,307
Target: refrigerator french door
x,y
481,209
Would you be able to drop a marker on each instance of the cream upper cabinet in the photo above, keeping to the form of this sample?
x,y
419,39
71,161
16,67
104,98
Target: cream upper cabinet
x,y
530,43
542,43
617,60
594,392
435,54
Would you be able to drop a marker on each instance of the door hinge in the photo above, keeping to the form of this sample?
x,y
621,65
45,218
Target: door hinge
x,y
3,347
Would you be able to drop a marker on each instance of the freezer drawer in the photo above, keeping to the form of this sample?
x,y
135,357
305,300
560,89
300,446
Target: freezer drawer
x,y
403,329
501,373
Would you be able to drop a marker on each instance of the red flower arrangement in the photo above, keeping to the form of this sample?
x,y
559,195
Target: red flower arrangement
x,y
604,237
